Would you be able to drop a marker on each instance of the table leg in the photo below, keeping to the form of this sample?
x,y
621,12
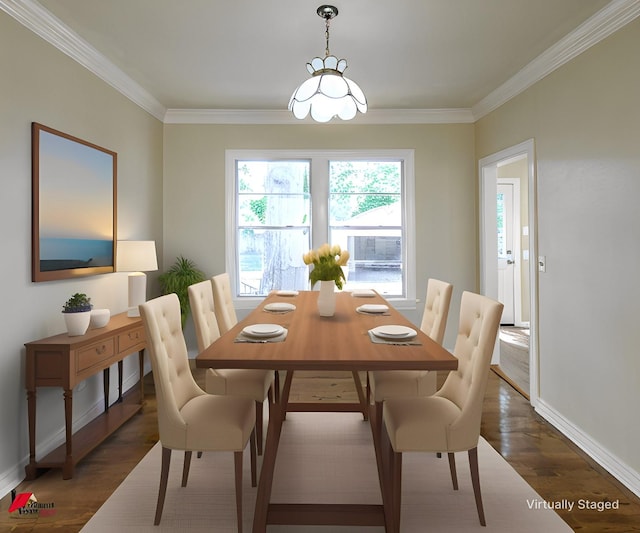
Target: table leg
x,y
361,395
105,387
120,381
67,469
141,365
263,496
383,461
30,469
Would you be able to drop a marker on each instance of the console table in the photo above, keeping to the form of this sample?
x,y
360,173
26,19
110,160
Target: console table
x,y
64,361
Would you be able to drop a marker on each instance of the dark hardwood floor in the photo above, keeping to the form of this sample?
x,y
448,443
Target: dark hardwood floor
x,y
551,464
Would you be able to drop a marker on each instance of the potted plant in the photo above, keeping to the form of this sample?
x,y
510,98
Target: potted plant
x,y
77,313
177,279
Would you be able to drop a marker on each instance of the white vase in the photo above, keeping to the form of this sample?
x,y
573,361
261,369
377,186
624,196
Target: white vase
x,y
327,298
99,318
77,323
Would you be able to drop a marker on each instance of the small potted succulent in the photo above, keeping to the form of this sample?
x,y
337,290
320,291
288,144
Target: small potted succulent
x,y
77,314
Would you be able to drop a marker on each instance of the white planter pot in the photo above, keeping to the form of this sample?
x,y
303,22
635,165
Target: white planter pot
x,y
77,323
327,298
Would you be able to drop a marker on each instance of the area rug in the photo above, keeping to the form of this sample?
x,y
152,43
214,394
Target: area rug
x,y
326,458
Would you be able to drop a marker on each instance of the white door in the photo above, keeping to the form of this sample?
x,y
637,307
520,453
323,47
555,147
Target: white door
x,y
506,255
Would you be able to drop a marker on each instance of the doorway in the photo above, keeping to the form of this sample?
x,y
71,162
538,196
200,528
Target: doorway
x,y
507,243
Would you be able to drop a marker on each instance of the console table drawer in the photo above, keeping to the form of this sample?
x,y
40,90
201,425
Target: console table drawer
x,y
126,341
95,354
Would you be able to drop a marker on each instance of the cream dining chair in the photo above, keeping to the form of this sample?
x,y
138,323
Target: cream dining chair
x,y
448,421
189,419
254,384
384,384
223,301
226,314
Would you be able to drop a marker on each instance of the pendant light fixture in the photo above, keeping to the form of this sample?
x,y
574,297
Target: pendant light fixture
x,y
328,93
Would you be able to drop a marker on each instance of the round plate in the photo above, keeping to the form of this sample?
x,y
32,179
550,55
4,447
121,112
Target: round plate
x,y
279,306
263,330
287,293
394,332
373,308
362,293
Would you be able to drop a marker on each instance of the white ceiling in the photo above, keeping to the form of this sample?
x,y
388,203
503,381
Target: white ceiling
x,y
250,55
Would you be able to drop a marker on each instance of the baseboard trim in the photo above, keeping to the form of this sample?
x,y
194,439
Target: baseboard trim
x,y
612,464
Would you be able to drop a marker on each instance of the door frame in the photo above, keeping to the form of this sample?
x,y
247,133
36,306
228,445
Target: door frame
x,y
488,241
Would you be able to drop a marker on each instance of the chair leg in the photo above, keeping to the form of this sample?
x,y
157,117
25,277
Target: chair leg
x,y
397,489
276,387
199,455
237,457
185,468
252,452
452,467
259,426
475,481
378,421
164,477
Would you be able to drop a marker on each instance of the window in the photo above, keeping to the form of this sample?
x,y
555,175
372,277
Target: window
x,y
280,204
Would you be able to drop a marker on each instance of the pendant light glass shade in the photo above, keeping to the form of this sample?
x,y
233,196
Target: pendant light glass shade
x,y
328,93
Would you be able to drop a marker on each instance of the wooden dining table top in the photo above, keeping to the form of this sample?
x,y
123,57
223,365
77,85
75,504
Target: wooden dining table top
x,y
340,342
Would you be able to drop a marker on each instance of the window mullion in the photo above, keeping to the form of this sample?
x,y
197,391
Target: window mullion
x,y
319,201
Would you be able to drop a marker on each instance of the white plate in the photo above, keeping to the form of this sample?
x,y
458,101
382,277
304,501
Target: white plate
x,y
263,330
287,293
363,293
394,332
279,306
373,308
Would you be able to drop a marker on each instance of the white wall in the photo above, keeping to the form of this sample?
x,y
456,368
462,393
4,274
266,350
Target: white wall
x,y
41,84
585,120
446,188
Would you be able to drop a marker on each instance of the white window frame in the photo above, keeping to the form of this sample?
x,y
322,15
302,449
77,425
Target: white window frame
x,y
319,208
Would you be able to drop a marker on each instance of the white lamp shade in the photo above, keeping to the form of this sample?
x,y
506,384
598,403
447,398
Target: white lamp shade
x,y
136,256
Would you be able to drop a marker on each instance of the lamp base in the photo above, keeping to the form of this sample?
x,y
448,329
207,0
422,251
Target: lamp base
x,y
137,292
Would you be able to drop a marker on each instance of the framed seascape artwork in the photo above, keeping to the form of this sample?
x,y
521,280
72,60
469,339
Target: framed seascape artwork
x,y
73,206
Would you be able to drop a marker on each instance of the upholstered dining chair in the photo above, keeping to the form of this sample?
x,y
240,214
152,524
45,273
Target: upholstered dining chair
x,y
254,384
384,384
189,419
223,301
449,420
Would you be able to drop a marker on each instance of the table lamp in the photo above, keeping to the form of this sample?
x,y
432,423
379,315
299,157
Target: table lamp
x,y
136,257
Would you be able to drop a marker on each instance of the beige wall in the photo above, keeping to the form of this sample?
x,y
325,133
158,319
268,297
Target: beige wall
x,y
446,212
585,121
41,84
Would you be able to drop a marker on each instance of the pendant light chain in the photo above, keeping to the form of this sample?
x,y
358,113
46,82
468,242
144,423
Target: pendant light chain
x,y
326,34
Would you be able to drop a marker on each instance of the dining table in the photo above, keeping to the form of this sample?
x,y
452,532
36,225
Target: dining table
x,y
285,332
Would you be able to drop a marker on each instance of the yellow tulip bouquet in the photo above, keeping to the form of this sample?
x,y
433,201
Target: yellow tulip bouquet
x,y
327,264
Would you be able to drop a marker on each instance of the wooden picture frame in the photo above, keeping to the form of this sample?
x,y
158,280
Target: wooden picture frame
x,y
74,191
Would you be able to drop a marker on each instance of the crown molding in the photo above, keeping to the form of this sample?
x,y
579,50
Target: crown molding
x,y
267,116
604,23
608,20
40,21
